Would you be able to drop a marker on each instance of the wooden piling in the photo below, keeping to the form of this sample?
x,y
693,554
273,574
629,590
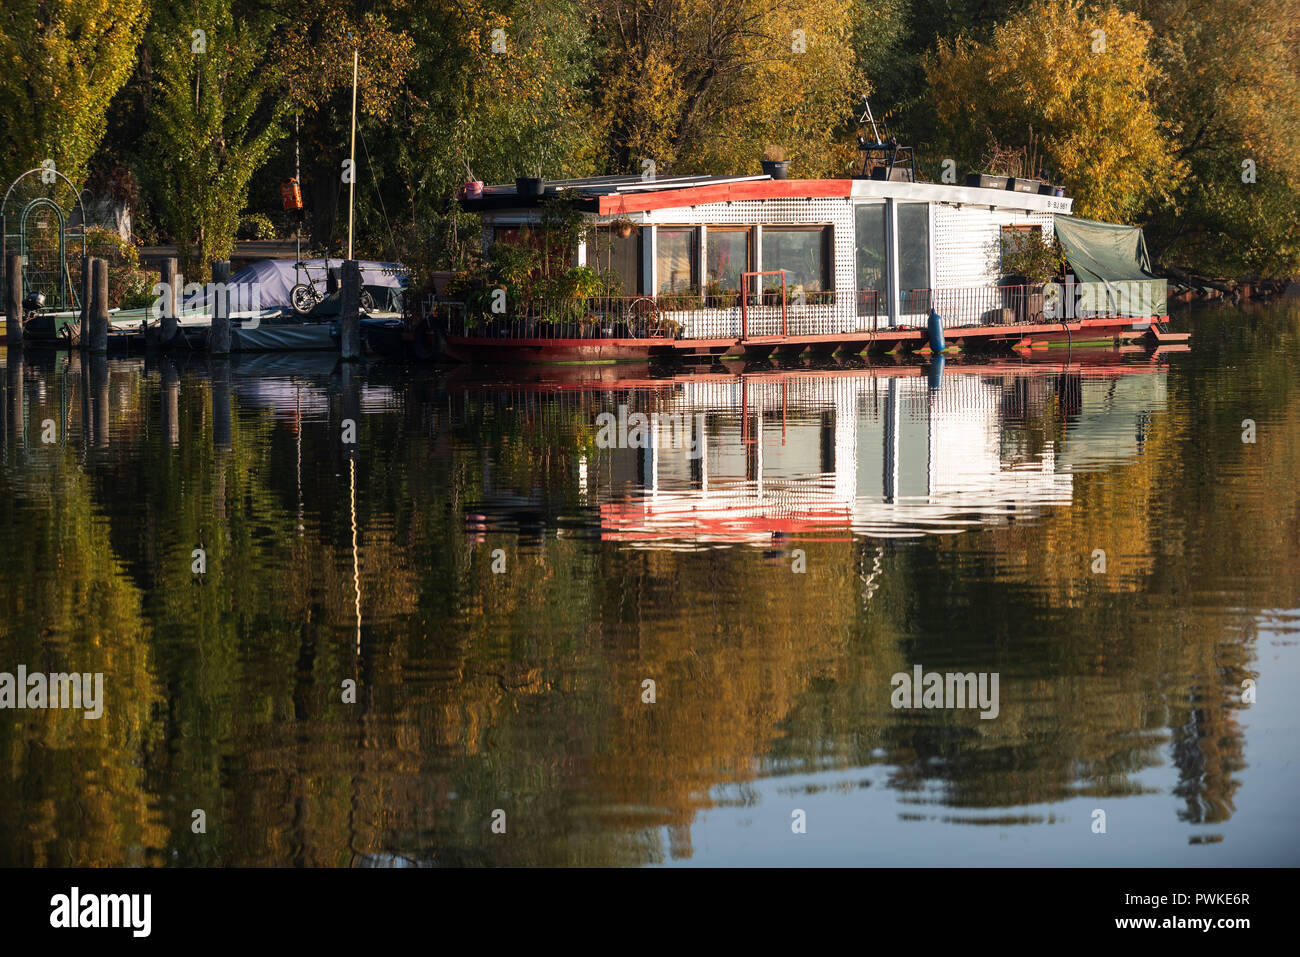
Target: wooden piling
x,y
169,327
219,335
14,300
99,306
350,317
87,291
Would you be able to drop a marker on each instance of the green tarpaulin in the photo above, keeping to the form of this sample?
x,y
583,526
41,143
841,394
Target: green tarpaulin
x,y
1114,262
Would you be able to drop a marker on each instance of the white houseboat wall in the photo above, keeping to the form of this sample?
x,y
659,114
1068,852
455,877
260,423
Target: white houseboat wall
x,y
858,256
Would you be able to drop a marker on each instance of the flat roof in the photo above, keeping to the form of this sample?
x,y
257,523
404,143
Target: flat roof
x,y
621,195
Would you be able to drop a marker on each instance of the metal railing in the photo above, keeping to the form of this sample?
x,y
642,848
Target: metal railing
x,y
766,314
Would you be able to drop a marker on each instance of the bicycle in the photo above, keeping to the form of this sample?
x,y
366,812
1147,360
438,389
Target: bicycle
x,y
306,296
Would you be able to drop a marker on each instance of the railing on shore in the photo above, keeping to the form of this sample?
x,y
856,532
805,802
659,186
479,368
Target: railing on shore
x,y
701,316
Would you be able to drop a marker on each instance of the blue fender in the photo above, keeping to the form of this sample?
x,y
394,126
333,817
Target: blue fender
x,y
936,332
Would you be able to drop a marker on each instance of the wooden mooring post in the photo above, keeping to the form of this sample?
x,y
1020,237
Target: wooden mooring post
x,y
87,292
219,335
14,300
168,326
99,307
350,316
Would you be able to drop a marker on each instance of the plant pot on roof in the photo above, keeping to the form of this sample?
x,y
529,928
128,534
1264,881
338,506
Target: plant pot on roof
x,y
1014,165
529,186
775,164
986,181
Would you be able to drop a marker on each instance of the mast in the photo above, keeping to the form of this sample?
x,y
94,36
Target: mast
x,y
352,157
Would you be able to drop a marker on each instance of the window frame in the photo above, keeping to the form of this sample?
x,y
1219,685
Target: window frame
x,y
827,233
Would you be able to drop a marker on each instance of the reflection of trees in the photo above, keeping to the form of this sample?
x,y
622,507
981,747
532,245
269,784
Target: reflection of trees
x,y
75,790
523,691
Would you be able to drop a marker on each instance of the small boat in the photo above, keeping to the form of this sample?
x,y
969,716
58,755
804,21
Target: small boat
x,y
263,318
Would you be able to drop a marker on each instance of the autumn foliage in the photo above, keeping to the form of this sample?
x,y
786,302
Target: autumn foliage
x,y
1147,111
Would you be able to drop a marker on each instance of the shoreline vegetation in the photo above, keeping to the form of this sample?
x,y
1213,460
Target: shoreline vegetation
x,y
180,122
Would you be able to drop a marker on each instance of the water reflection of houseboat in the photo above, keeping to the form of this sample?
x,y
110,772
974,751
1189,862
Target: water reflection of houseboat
x,y
883,452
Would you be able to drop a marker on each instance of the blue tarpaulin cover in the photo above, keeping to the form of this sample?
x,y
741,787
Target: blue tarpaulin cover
x,y
274,278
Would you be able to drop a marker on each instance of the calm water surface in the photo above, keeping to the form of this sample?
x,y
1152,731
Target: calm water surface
x,y
501,587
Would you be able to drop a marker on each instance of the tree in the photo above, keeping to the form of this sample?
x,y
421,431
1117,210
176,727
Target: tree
x,y
314,48
1082,77
213,121
1230,87
503,89
701,87
61,62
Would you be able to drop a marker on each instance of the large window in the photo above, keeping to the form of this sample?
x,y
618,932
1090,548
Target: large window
x,y
914,256
532,235
726,257
803,252
872,258
609,252
677,259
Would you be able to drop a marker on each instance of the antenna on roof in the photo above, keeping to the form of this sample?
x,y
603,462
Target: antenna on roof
x,y
883,159
866,117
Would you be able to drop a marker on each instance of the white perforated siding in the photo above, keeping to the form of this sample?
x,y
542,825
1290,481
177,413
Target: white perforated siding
x,y
966,242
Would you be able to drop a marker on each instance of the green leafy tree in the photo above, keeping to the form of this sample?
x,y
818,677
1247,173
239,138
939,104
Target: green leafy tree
x,y
213,122
1082,77
1230,88
314,44
703,87
61,62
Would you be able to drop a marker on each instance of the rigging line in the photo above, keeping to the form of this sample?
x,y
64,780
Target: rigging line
x,y
391,241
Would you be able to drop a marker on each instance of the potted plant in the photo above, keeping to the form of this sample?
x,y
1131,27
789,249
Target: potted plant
x,y
775,164
1046,188
1028,262
1007,167
716,297
1025,161
473,188
623,226
986,181
530,187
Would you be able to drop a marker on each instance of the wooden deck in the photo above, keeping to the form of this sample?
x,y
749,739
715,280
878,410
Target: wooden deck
x,y
1109,331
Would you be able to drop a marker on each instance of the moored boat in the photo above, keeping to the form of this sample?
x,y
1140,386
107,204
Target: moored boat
x,y
751,265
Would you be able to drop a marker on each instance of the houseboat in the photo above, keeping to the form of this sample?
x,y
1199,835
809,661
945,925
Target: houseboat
x,y
766,267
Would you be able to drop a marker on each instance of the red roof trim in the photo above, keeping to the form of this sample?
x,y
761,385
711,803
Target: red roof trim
x,y
617,204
